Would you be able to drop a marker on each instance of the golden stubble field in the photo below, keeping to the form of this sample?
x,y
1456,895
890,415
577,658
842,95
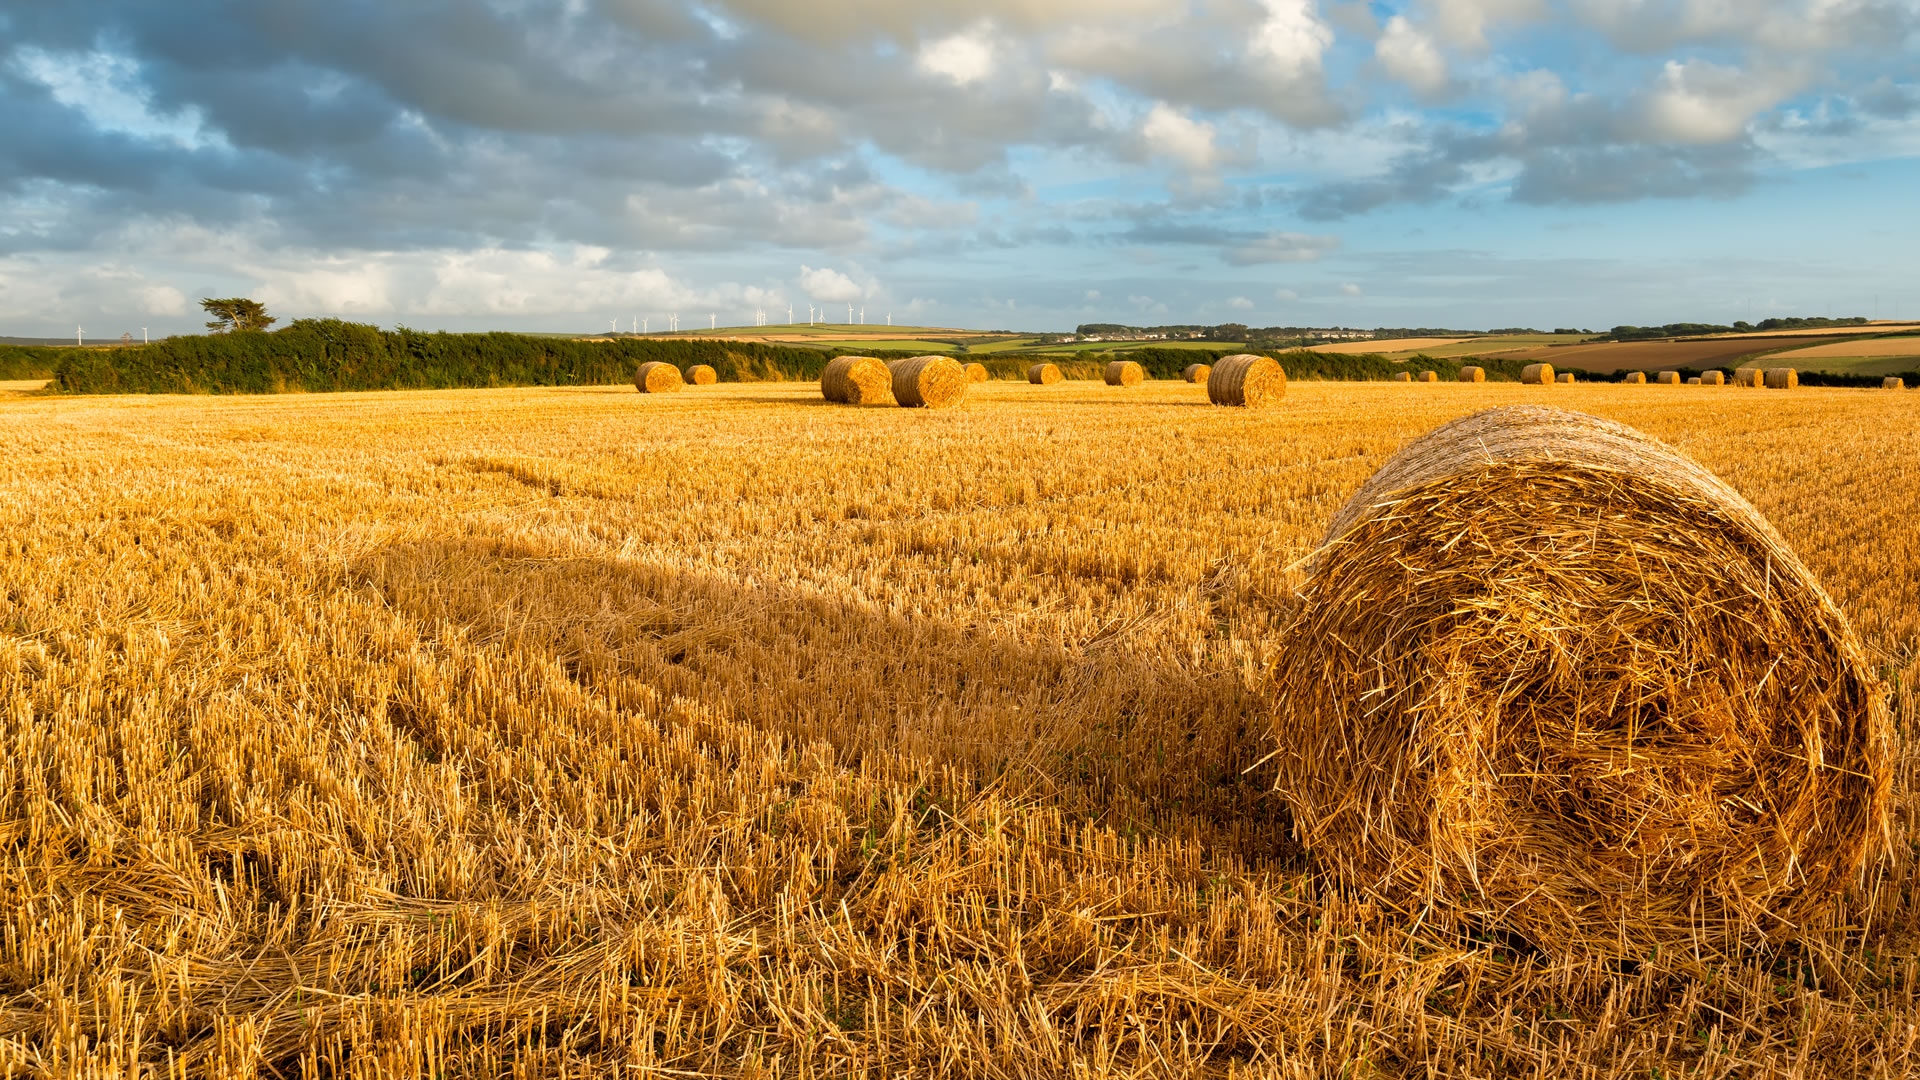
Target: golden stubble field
x,y
577,731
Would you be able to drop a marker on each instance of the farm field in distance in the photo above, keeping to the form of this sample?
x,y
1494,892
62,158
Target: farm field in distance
x,y
727,732
1605,357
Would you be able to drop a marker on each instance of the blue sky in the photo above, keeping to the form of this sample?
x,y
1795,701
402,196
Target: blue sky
x,y
1020,164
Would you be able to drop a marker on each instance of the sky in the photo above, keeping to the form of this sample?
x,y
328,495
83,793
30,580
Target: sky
x,y
993,164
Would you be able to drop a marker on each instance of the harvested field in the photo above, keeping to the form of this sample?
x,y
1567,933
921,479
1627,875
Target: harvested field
x,y
1607,357
1388,345
1849,350
577,731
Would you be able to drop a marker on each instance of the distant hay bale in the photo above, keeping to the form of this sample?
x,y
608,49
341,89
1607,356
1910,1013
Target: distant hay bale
x,y
1782,378
1564,377
1668,378
1043,374
1247,380
702,375
1124,373
1713,378
1429,376
1197,373
655,377
1893,382
976,372
1537,375
929,382
1637,378
856,380
1537,733
1403,376
1473,374
1693,380
1746,376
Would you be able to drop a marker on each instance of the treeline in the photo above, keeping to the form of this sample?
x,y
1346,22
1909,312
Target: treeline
x,y
28,361
1300,364
1643,333
319,355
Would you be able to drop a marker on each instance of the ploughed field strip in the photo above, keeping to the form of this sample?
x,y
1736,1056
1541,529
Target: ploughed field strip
x,y
733,732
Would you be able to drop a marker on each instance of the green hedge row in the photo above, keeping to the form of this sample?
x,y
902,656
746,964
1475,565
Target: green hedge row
x,y
28,361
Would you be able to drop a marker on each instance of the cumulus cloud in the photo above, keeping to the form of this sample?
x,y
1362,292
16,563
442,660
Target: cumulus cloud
x,y
1281,247
830,286
1349,288
965,58
1240,303
1700,102
1409,55
1174,134
1292,37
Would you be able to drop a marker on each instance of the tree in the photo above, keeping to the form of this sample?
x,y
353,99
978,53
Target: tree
x,y
237,313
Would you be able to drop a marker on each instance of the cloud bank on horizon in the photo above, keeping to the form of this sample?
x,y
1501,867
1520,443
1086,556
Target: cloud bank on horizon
x,y
993,163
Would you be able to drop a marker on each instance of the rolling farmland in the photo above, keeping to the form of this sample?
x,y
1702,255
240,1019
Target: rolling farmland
x,y
730,732
1605,357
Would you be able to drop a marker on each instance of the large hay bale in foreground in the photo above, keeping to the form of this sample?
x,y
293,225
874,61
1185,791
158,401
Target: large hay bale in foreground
x,y
1247,380
1473,374
856,380
1197,373
1713,378
976,372
1537,375
1893,382
1553,676
1746,376
1124,373
702,375
1429,376
929,382
657,377
1782,378
1403,376
1668,378
1636,378
1044,374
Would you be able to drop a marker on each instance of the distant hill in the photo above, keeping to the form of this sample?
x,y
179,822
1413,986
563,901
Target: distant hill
x,y
42,341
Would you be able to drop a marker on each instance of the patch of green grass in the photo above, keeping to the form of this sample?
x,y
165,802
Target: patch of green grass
x,y
894,346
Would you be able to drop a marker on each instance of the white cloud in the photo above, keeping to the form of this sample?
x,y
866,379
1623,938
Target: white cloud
x,y
1292,37
1285,295
161,300
1409,55
1281,247
106,89
1697,101
1240,303
1174,134
1348,288
829,286
1464,22
965,58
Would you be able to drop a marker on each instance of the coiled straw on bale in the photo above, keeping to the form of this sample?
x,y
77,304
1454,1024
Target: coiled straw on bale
x,y
1043,374
1473,374
1668,378
856,380
1551,675
1637,378
1893,382
976,372
1713,378
1248,380
702,375
1693,380
929,382
656,377
1429,376
1124,373
1782,378
1537,375
1746,376
1564,377
1197,373
1403,376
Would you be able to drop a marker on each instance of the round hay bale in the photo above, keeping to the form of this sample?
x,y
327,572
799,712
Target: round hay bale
x,y
1713,378
1636,378
1668,378
1043,374
1247,380
1429,376
1197,373
856,380
1124,373
1473,374
1693,380
1746,376
1782,378
702,375
1541,732
976,372
929,382
656,377
1403,376
1893,382
1564,377
1537,375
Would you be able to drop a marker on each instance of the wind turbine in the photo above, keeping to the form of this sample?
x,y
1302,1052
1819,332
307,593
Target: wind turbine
x,y
849,312
789,314
713,321
143,335
79,336
863,316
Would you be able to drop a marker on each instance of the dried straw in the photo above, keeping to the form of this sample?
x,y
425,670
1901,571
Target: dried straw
x,y
1044,374
1473,374
1893,382
1637,378
1782,378
856,380
1713,378
1693,380
1247,380
1537,375
929,382
1124,373
1197,373
1403,376
1551,675
1564,377
1668,378
1429,376
976,372
1746,376
656,377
